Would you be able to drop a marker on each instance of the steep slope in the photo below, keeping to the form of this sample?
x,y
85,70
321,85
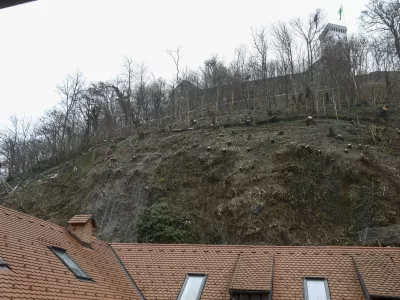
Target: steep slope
x,y
278,183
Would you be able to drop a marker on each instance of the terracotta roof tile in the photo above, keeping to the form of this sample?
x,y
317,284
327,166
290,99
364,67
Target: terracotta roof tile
x,y
36,273
253,272
81,219
380,274
160,270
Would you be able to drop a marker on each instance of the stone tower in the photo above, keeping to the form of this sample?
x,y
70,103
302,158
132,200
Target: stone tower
x,y
332,35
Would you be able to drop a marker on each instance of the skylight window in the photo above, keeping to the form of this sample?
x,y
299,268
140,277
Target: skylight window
x,y
70,263
192,287
3,265
316,289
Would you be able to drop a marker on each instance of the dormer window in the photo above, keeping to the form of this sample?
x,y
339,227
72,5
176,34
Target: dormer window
x,y
248,284
316,289
379,276
3,265
70,263
192,287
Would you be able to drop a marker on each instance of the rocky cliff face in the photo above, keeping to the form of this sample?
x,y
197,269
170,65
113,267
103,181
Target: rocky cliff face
x,y
279,183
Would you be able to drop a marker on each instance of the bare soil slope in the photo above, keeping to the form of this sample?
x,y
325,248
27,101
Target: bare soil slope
x,y
279,183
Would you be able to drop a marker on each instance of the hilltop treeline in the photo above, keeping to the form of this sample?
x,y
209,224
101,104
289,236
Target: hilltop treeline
x,y
285,70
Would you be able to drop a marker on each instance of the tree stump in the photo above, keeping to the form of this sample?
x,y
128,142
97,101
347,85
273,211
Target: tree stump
x,y
331,132
310,121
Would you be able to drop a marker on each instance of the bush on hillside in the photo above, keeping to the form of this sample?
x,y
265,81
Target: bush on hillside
x,y
161,224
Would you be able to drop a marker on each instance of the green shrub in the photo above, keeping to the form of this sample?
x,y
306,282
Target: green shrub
x,y
162,224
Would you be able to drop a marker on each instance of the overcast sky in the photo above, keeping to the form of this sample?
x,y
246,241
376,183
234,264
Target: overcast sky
x,y
43,41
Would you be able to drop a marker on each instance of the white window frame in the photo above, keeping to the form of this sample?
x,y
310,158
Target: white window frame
x,y
305,288
201,287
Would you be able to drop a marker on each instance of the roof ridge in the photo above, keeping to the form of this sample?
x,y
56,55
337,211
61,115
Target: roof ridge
x,y
31,217
326,247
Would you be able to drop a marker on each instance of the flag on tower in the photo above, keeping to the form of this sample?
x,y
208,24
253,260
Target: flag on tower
x,y
340,12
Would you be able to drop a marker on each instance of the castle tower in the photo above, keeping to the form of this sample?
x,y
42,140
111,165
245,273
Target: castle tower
x,y
332,34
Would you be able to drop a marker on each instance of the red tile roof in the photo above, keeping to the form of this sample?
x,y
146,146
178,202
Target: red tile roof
x,y
253,272
82,219
380,274
36,273
159,270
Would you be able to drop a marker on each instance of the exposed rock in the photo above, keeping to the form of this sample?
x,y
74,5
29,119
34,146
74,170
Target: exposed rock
x,y
259,208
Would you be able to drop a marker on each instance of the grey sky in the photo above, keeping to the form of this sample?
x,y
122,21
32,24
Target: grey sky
x,y
43,41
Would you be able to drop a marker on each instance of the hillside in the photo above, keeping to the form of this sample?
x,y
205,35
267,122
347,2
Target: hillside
x,y
281,183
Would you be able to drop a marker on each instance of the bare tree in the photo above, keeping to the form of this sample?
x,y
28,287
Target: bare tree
x,y
50,128
309,31
383,17
89,107
215,76
381,50
70,91
9,140
123,88
284,43
261,45
16,145
176,56
239,72
105,97
157,97
141,79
